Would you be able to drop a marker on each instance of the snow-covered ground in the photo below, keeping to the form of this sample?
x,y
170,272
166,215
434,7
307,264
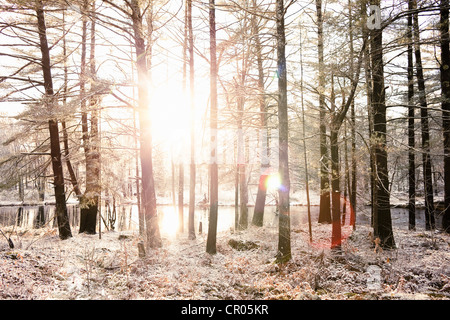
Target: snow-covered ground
x,y
85,267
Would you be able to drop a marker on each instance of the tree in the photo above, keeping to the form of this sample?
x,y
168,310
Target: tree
x,y
324,213
55,149
382,216
445,105
284,236
411,131
213,169
192,169
425,131
148,196
258,212
89,201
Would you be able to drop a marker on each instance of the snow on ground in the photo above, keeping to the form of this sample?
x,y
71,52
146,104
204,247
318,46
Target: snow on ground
x,y
85,267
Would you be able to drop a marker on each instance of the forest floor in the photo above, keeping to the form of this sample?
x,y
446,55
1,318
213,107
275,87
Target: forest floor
x,y
85,267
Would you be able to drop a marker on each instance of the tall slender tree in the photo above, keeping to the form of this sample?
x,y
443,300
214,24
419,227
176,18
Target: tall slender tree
x,y
445,104
382,221
55,149
213,168
90,199
258,212
284,222
148,196
324,210
192,168
411,131
424,121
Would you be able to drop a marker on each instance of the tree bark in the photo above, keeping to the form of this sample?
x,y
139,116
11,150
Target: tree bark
x,y
148,196
426,156
258,213
353,185
325,210
55,149
382,215
192,167
284,236
411,133
445,104
213,169
90,199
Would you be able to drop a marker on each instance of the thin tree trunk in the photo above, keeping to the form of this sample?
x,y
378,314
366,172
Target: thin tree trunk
x,y
181,165
214,194
308,202
243,212
369,89
284,222
258,213
411,133
426,156
55,150
73,178
90,199
325,210
353,186
335,174
192,168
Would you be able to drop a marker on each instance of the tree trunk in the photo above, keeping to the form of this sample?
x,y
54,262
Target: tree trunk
x,y
382,216
308,202
55,149
335,175
426,156
284,236
369,89
90,199
148,196
325,210
243,215
213,169
411,133
192,168
445,92
353,185
258,213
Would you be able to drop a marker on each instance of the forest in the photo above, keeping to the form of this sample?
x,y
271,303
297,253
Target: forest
x,y
224,149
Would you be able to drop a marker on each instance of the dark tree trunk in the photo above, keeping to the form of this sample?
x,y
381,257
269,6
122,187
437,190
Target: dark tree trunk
x,y
325,210
90,200
445,92
284,232
213,169
426,156
382,214
55,149
353,185
335,174
411,133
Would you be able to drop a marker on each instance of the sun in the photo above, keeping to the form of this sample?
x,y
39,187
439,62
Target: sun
x,y
170,116
273,182
168,221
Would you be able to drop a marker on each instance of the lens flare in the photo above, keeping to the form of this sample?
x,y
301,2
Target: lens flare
x,y
169,221
273,182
